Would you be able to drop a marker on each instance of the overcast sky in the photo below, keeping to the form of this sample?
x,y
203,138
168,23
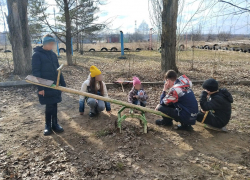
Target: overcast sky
x,y
210,14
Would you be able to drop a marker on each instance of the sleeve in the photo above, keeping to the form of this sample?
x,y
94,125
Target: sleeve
x,y
105,91
83,89
208,105
62,81
143,97
171,97
130,96
82,98
36,68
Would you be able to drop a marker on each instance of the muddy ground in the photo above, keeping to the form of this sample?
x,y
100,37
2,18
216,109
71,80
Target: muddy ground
x,y
91,148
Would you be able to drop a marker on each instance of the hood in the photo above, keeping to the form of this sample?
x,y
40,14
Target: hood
x,y
184,80
40,49
89,77
227,95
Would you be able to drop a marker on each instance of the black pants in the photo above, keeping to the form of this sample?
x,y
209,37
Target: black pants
x,y
51,111
170,111
210,120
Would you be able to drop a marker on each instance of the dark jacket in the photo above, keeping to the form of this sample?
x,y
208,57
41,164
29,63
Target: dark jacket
x,y
219,104
44,65
134,92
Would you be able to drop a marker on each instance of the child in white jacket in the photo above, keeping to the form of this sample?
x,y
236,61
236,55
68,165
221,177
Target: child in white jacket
x,y
94,85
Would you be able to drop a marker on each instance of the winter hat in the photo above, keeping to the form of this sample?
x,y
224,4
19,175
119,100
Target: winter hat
x,y
211,85
136,80
48,39
94,71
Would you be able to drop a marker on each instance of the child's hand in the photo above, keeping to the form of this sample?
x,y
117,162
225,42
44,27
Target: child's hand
x,y
41,93
135,97
157,107
203,111
166,86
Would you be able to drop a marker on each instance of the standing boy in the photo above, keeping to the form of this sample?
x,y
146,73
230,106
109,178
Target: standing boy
x,y
179,103
44,65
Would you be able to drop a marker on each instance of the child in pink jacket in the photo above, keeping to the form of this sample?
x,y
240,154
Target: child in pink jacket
x,y
137,95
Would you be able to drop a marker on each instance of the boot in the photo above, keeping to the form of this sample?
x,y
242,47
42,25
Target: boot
x,y
184,127
163,122
47,131
55,126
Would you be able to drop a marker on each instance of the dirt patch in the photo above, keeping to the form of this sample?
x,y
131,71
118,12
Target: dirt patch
x,y
91,148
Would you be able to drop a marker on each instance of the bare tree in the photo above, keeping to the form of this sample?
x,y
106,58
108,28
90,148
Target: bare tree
x,y
224,35
19,35
76,19
168,38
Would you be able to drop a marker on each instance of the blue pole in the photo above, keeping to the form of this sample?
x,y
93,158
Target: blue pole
x,y
72,46
58,52
122,44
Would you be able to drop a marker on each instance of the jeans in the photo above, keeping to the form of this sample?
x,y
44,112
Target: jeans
x,y
96,106
170,111
142,103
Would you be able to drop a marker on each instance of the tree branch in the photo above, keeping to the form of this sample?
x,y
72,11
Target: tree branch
x,y
244,9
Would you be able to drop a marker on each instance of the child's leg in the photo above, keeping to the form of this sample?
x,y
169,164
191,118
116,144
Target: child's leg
x,y
55,126
81,106
170,111
135,102
143,103
210,120
48,116
100,106
92,104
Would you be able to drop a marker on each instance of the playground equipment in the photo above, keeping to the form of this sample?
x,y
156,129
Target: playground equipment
x,y
50,84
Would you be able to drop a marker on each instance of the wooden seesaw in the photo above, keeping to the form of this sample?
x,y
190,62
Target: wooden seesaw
x,y
50,84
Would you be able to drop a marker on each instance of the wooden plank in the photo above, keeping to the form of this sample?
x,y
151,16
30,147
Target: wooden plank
x,y
122,103
39,81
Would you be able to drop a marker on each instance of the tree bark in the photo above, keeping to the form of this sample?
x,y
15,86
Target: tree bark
x,y
168,37
19,36
68,33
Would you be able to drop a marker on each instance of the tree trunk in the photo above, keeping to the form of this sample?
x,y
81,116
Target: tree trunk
x,y
19,36
168,37
68,33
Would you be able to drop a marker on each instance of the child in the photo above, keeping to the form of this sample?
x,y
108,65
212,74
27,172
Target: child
x,y
179,103
218,104
95,85
137,95
44,65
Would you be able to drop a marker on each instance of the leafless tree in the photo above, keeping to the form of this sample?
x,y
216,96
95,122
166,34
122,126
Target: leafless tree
x,y
168,37
224,35
19,35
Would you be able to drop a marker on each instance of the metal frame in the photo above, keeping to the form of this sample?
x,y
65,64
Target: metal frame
x,y
141,117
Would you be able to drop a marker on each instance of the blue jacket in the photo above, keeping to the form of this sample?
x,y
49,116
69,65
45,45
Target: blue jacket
x,y
182,97
44,65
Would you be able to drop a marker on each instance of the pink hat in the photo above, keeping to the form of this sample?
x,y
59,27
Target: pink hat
x,y
136,80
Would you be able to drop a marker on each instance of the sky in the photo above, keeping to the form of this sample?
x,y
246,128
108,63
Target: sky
x,y
210,15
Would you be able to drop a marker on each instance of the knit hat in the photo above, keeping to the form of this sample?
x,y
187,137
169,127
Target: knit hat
x,y
136,80
211,85
94,71
48,39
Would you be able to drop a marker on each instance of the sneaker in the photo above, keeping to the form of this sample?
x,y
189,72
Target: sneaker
x,y
161,122
92,114
184,127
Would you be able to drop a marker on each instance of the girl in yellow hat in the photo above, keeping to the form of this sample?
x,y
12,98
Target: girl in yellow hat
x,y
95,85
